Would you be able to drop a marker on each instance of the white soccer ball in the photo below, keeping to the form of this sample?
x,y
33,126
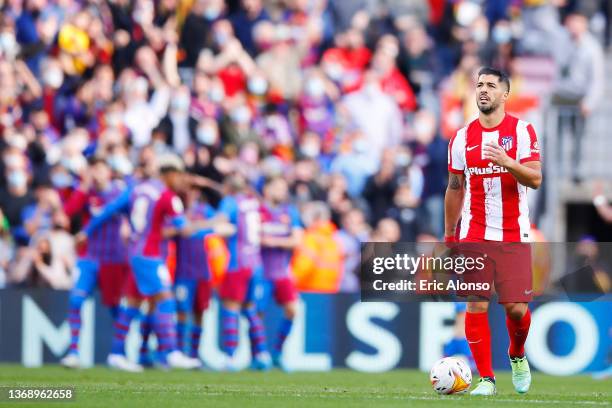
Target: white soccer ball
x,y
450,375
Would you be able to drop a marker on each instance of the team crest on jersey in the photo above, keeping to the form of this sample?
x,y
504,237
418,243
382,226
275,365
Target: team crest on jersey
x,y
506,143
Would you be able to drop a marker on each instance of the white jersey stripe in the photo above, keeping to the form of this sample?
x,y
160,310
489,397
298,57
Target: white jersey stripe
x,y
494,217
466,214
523,145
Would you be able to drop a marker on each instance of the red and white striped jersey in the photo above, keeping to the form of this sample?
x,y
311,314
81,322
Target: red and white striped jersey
x,y
495,205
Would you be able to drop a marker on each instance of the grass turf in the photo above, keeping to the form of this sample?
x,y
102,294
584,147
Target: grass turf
x,y
101,387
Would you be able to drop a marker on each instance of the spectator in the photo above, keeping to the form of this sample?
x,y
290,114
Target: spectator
x,y
6,249
580,83
380,188
317,261
354,231
392,82
47,262
196,31
376,115
244,21
179,127
355,165
16,195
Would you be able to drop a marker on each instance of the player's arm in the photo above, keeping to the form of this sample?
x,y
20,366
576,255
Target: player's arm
x,y
601,203
453,202
226,218
528,173
289,242
76,202
212,224
119,204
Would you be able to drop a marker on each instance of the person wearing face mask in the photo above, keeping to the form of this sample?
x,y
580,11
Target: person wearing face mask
x,y
39,215
236,126
316,107
195,34
14,197
355,166
376,114
179,127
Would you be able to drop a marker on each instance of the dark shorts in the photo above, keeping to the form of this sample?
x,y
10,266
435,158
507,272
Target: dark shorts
x,y
284,290
235,285
507,268
111,280
130,289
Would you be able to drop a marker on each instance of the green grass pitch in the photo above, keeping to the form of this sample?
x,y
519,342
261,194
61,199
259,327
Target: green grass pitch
x,y
101,387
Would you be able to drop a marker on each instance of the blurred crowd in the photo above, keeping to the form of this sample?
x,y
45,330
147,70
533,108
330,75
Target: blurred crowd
x,y
353,102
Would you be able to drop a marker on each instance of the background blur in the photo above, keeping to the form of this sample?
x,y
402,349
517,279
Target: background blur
x,y
353,101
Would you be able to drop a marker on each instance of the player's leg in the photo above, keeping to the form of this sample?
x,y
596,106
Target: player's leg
x,y
153,280
232,293
146,328
117,358
83,287
478,335
578,126
111,280
257,331
285,295
184,292
514,289
518,320
202,300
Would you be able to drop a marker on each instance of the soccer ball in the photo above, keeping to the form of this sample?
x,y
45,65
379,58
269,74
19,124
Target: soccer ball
x,y
450,375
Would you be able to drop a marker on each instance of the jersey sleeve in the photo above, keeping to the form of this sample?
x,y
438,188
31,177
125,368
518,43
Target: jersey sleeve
x,y
229,208
173,208
456,153
528,148
295,217
209,211
121,203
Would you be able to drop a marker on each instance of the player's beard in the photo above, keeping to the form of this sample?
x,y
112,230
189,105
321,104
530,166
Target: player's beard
x,y
487,110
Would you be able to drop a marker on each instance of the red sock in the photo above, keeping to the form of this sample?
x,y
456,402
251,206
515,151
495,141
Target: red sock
x,y
518,330
478,335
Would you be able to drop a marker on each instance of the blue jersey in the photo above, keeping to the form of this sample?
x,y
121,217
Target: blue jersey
x,y
151,206
191,256
106,245
242,211
277,222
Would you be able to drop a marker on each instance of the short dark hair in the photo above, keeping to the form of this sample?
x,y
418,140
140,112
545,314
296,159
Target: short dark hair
x,y
501,75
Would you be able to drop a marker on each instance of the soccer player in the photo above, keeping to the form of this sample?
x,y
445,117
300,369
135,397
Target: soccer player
x,y
240,285
281,232
103,261
492,162
192,285
151,204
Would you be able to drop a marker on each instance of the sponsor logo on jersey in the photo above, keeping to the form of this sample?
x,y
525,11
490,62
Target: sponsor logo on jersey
x,y
490,169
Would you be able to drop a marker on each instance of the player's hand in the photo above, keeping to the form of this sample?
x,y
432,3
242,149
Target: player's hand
x,y
495,153
585,109
80,239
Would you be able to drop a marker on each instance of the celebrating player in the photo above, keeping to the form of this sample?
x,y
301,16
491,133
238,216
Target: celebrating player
x,y
239,287
192,286
281,231
491,162
104,260
151,204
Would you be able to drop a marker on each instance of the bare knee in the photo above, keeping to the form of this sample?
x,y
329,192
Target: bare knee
x,y
232,305
515,311
477,307
290,310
